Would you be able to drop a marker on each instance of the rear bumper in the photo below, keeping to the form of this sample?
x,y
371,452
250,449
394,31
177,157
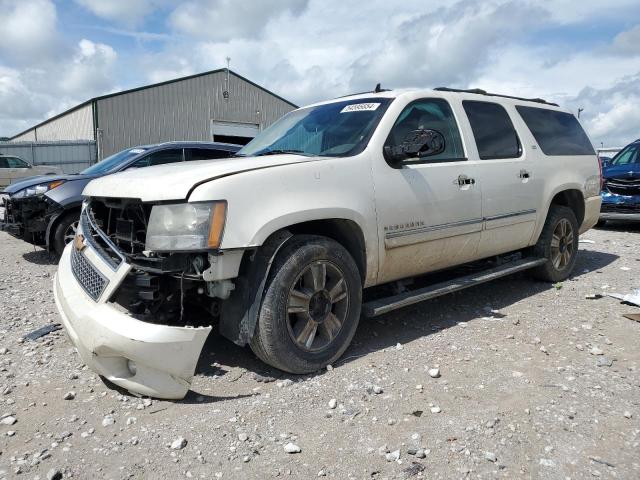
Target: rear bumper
x,y
144,358
591,213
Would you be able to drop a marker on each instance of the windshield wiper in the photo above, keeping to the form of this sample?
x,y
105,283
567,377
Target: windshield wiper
x,y
281,151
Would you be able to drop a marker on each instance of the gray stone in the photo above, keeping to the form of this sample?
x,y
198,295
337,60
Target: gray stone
x,y
491,457
292,448
179,443
54,474
393,456
108,420
604,361
8,420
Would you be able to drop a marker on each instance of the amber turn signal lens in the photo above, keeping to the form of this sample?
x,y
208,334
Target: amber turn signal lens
x,y
218,218
55,184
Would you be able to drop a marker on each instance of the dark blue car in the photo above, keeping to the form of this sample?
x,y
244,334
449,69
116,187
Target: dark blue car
x,y
621,188
44,210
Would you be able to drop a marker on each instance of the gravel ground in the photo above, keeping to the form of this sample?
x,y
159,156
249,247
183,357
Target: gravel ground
x,y
531,381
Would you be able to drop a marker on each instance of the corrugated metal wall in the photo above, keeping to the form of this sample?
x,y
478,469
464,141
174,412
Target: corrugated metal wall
x,y
28,136
75,125
73,157
183,110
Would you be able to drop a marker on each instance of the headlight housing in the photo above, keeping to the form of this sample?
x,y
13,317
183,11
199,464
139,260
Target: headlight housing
x,y
39,189
186,226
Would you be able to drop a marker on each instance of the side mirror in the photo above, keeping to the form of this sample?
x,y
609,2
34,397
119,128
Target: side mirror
x,y
417,144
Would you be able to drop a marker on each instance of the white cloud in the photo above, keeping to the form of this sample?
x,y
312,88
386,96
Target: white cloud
x,y
611,115
91,72
127,12
628,42
309,50
28,30
31,94
227,19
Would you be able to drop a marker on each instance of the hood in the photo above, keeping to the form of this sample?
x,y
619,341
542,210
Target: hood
x,y
38,179
630,171
175,181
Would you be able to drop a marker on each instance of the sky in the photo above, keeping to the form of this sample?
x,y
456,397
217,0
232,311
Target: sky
x,y
56,54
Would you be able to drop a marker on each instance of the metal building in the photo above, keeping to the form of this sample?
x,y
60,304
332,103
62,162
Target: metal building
x,y
218,105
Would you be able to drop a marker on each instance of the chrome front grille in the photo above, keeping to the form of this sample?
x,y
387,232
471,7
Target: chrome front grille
x,y
100,242
90,279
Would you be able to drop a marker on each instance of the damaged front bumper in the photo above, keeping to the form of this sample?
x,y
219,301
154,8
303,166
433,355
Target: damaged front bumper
x,y
27,218
620,207
144,358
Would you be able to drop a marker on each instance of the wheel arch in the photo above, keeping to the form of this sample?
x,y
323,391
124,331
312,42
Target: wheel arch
x,y
240,312
567,195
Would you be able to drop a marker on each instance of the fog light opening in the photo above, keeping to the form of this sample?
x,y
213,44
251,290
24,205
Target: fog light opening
x,y
132,367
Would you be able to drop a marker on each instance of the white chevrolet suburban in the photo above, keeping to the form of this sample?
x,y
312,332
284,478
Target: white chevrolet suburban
x,y
276,245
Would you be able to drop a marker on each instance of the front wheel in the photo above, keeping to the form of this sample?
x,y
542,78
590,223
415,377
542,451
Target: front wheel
x,y
311,306
64,232
558,243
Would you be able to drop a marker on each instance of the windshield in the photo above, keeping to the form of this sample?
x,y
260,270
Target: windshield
x,y
338,129
113,162
627,156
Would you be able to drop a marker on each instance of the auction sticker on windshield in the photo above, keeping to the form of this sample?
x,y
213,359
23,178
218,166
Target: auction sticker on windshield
x,y
360,107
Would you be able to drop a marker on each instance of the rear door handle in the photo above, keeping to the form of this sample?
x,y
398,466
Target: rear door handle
x,y
524,174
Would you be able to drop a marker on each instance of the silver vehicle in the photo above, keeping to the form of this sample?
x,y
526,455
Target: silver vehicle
x,y
13,168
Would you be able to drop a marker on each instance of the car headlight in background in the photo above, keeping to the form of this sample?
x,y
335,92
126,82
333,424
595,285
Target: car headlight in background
x,y
38,189
186,226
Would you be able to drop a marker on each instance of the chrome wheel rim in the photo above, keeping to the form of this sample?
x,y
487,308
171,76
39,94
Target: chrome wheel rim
x,y
562,245
317,306
70,233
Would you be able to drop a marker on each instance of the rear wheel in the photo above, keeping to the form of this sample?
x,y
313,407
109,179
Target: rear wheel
x,y
64,232
558,243
311,306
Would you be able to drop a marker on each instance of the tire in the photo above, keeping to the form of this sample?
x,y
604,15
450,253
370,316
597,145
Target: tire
x,y
311,306
64,232
558,243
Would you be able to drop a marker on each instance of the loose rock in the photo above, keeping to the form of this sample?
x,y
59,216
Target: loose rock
x,y
292,448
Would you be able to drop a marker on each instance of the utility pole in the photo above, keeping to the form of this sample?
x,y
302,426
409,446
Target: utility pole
x,y
580,110
225,94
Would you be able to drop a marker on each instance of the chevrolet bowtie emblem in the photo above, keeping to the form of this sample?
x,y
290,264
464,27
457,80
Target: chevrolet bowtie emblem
x,y
78,242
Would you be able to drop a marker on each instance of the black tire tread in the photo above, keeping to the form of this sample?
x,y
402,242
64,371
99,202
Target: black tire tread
x,y
542,248
269,342
58,233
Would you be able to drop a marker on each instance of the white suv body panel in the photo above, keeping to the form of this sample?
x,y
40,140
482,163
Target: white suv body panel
x,y
413,219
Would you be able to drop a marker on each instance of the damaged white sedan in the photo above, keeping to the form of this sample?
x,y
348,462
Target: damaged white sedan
x,y
276,246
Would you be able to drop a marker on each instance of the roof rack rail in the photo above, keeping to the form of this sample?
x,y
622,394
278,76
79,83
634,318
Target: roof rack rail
x,y
479,91
378,89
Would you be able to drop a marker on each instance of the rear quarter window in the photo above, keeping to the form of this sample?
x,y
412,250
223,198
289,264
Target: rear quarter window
x,y
557,133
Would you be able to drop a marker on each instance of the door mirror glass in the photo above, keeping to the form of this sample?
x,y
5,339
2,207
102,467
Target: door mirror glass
x,y
417,144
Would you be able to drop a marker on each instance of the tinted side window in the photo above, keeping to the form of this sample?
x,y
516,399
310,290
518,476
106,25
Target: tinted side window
x,y
429,114
206,153
628,156
557,133
492,129
14,162
159,158
3,163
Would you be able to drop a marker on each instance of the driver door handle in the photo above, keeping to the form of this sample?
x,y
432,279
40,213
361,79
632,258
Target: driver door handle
x,y
464,180
524,174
